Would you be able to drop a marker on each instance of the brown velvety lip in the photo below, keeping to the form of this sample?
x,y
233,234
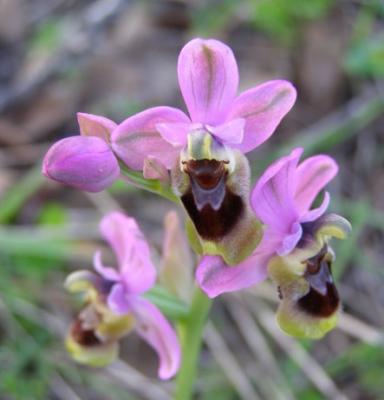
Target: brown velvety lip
x,y
212,206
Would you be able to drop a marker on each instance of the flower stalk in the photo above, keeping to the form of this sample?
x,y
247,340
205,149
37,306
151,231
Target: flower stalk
x,y
191,334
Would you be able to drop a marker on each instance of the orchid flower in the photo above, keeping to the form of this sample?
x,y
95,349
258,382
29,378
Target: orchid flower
x,y
294,250
85,162
115,304
205,149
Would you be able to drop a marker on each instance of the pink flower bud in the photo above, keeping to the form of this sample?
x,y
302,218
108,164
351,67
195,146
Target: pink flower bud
x,y
84,162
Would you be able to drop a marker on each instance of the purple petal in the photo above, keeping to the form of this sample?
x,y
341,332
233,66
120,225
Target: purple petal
x,y
137,137
118,300
175,134
215,277
95,125
314,214
153,327
311,176
263,107
208,79
272,198
108,273
84,162
290,240
231,132
136,269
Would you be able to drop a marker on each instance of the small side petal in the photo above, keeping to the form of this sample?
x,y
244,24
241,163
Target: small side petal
x,y
108,273
118,301
215,277
154,328
290,240
95,125
123,234
312,175
231,132
137,137
263,107
208,79
175,134
316,213
85,163
272,198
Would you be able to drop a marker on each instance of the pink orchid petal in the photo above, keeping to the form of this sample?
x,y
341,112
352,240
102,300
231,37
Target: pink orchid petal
x,y
175,134
84,162
263,107
290,240
137,137
272,198
231,132
215,277
208,79
108,273
311,176
95,125
154,328
314,214
136,269
118,301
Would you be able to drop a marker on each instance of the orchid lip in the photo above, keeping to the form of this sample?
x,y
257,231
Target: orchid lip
x,y
212,206
82,336
322,299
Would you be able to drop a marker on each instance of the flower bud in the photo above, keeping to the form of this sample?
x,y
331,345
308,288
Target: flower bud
x,y
177,263
85,163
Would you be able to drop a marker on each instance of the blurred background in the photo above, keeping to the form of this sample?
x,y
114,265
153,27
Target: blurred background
x,y
116,57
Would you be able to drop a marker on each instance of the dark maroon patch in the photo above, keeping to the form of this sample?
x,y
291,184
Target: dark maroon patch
x,y
322,300
84,337
213,208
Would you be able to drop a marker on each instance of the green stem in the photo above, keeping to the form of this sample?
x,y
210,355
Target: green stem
x,y
191,334
152,185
